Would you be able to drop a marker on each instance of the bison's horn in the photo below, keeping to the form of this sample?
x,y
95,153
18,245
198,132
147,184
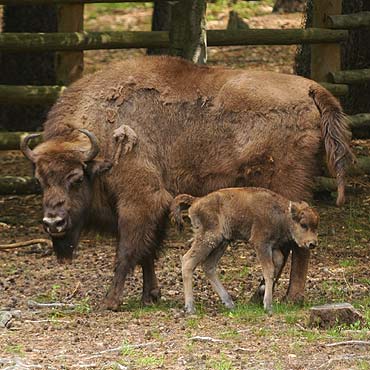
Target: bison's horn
x,y
26,150
94,150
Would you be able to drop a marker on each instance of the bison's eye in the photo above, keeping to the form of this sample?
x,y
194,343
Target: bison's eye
x,y
304,226
77,180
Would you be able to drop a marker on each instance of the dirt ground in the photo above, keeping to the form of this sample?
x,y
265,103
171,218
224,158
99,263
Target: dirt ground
x,y
79,335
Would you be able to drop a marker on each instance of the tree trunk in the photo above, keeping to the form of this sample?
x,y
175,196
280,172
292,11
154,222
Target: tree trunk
x,y
23,68
161,21
289,6
188,30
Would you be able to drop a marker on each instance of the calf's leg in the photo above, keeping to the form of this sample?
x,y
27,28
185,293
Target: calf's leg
x,y
209,267
201,247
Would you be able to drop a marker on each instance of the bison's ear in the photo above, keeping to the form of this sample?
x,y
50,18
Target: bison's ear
x,y
97,167
294,211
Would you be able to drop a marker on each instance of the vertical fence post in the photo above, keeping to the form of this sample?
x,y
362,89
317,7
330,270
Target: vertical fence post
x,y
325,58
69,64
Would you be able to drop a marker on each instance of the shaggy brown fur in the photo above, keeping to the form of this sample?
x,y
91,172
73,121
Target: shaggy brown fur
x,y
265,219
198,129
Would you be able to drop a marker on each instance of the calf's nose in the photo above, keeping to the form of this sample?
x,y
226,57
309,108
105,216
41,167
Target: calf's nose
x,y
312,244
54,225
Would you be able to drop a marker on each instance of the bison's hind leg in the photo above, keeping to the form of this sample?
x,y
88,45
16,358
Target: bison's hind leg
x,y
202,245
210,266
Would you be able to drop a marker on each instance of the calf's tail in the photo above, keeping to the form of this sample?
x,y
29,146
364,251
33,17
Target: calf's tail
x,y
181,202
336,136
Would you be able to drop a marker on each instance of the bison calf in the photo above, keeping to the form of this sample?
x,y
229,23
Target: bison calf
x,y
265,219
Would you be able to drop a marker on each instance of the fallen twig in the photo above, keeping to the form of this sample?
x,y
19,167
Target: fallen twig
x,y
205,339
117,349
34,304
25,244
350,343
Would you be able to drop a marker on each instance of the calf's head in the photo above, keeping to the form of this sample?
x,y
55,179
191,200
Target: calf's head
x,y
303,224
66,170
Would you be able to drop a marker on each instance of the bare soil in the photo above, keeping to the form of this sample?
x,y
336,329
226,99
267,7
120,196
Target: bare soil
x,y
160,336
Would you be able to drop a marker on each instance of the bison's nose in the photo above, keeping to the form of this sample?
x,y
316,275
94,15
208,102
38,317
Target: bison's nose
x,y
54,225
312,244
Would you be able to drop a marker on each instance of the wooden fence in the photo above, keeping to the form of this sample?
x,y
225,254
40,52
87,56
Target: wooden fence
x,y
330,28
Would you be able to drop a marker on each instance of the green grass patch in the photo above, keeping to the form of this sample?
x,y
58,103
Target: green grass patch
x,y
220,363
244,8
15,349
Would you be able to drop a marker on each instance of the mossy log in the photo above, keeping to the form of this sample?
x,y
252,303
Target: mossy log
x,y
72,41
29,94
355,76
160,39
348,21
18,185
275,36
12,140
336,89
360,125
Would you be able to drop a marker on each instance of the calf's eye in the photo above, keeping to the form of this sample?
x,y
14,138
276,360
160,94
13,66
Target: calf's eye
x,y
304,226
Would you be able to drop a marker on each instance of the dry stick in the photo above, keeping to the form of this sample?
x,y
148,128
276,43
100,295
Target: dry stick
x,y
33,304
349,343
25,244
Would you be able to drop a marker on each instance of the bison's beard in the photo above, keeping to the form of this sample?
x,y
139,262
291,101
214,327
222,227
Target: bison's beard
x,y
64,246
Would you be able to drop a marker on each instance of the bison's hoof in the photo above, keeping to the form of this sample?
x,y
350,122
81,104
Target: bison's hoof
x,y
297,299
153,297
111,305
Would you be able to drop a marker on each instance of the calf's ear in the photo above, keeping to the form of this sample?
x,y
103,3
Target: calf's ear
x,y
98,167
294,211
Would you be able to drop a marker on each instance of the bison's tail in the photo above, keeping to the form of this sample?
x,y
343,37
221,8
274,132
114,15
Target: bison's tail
x,y
183,201
336,136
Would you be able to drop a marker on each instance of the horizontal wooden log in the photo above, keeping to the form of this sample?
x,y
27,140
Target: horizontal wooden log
x,y
12,140
18,185
160,39
275,36
336,89
29,94
51,2
72,41
351,77
360,125
348,21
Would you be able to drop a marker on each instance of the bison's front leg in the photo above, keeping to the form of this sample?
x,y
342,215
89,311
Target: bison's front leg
x,y
151,290
298,274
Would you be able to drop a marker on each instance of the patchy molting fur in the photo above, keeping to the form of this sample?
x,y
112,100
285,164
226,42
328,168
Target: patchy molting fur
x,y
199,129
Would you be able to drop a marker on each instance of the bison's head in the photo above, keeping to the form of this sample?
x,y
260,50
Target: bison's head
x,y
303,224
66,170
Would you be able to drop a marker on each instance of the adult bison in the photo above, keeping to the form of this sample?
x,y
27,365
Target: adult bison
x,y
198,129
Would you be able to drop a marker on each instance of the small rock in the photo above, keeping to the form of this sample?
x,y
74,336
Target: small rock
x,y
5,319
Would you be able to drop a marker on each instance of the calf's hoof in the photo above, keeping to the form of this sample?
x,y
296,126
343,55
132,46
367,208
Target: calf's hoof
x,y
153,297
229,304
189,309
258,295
